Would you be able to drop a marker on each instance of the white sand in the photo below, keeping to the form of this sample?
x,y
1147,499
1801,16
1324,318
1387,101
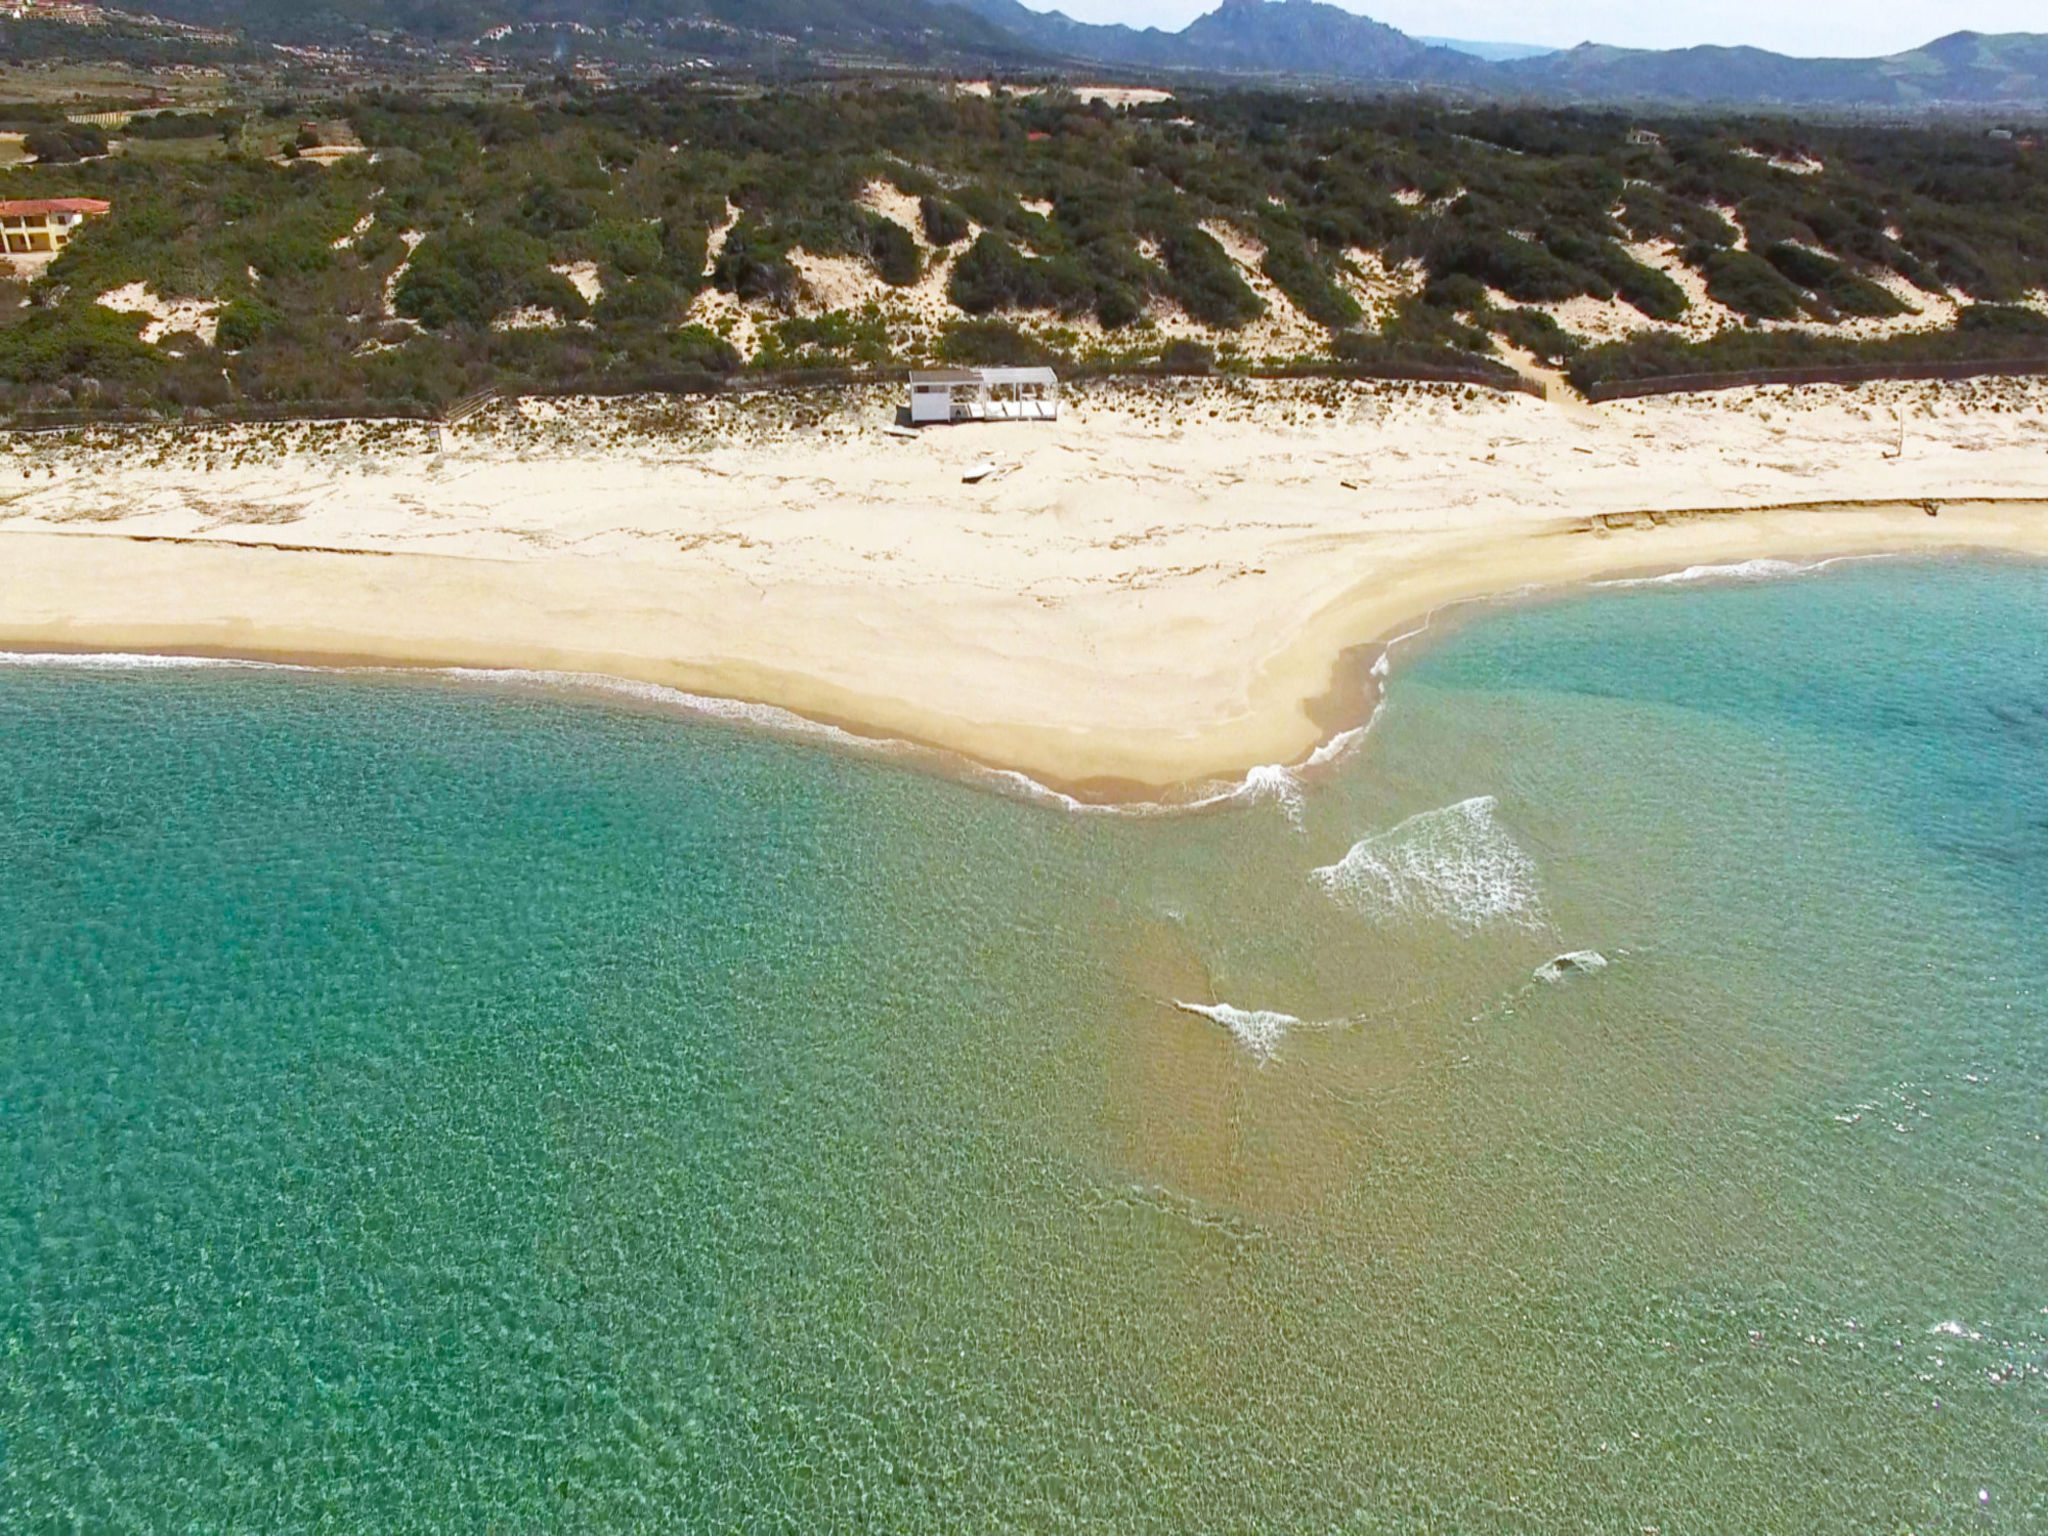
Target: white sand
x,y
1157,593
197,317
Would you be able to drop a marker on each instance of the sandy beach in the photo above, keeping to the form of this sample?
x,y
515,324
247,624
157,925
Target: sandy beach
x,y
1155,591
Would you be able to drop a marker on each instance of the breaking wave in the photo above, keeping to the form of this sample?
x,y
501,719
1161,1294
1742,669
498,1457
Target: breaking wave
x,y
1457,864
1740,570
1577,962
1258,1030
141,661
1272,783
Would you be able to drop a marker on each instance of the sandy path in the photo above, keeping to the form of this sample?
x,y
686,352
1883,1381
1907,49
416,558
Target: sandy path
x,y
1157,594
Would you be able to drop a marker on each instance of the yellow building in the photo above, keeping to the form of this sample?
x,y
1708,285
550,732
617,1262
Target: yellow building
x,y
43,226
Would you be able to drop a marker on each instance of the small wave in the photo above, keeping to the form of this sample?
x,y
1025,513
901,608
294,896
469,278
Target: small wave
x,y
1458,864
1742,570
1258,1030
1762,569
1577,962
1272,782
140,661
1275,782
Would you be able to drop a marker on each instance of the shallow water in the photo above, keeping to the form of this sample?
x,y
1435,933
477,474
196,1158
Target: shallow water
x,y
424,1104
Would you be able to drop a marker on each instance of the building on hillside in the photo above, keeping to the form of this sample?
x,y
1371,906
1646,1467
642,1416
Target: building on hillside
x,y
983,394
43,226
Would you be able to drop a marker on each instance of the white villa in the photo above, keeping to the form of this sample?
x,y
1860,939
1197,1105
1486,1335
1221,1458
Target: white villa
x,y
984,394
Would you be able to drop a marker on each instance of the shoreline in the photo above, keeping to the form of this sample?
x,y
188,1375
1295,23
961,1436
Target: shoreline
x,y
1343,711
1175,586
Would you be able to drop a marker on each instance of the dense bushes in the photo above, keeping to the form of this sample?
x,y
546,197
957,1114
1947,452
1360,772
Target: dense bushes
x,y
892,250
1748,284
1538,334
753,265
62,143
990,344
472,276
944,223
74,341
993,275
1100,219
1986,335
1833,286
1205,282
243,323
1296,272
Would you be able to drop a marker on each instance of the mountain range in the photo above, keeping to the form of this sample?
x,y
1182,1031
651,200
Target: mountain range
x,y
1310,40
1281,41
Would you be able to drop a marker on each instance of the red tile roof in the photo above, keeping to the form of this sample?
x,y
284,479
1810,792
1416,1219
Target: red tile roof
x,y
31,206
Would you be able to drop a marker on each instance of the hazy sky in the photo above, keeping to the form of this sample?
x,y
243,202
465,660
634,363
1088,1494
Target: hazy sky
x,y
1813,27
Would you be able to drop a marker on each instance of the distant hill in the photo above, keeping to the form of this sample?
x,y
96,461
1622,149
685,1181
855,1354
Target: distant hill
x,y
1964,69
1285,40
899,31
1308,39
1302,38
1495,52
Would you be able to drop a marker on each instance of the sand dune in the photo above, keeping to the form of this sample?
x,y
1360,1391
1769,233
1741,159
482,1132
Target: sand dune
x,y
1158,592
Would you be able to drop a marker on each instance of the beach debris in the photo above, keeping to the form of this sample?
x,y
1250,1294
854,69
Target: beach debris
x,y
895,431
1577,962
1349,485
979,472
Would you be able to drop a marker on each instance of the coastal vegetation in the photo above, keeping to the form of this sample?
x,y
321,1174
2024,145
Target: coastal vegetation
x,y
676,235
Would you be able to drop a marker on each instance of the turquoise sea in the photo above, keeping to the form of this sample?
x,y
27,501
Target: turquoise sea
x,y
433,1104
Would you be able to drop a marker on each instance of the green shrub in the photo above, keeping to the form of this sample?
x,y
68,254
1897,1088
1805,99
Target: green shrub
x,y
752,265
837,337
1750,286
1457,292
994,275
243,323
1537,333
548,210
63,144
944,223
990,344
1206,282
1521,269
892,250
2002,319
75,341
1296,273
1651,292
1832,282
471,276
650,301
626,246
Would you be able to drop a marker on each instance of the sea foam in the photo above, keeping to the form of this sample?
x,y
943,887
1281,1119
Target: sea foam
x,y
1458,864
141,661
1274,783
1577,962
1258,1030
1741,570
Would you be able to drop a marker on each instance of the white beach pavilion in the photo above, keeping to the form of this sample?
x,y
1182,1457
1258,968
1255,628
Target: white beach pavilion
x,y
984,394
